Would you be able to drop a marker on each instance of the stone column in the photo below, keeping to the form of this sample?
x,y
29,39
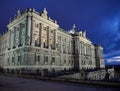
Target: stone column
x,y
19,40
32,36
82,48
86,49
79,48
29,28
85,46
65,45
41,29
39,35
69,46
26,31
48,31
55,38
90,50
14,42
9,43
11,38
61,43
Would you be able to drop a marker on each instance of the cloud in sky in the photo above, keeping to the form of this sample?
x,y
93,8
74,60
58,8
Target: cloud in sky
x,y
115,59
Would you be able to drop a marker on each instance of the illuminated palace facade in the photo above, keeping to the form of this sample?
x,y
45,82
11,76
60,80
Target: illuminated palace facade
x,y
36,42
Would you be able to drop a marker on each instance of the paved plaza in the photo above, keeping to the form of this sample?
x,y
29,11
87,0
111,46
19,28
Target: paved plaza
x,y
13,83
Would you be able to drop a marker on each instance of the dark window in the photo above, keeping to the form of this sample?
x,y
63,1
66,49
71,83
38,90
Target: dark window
x,y
83,62
19,59
65,61
13,59
44,44
38,58
90,62
8,61
35,58
35,42
53,60
51,31
69,61
46,59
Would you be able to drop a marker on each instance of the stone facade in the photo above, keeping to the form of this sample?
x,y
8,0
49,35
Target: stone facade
x,y
99,57
3,48
36,42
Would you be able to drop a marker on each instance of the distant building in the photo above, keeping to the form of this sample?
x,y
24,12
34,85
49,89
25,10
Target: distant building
x,y
37,43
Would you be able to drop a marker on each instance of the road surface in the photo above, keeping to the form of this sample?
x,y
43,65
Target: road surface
x,y
13,83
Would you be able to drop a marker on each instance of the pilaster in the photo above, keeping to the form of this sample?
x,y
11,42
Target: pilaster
x,y
29,29
14,42
41,29
9,39
32,34
48,30
19,40
55,38
26,31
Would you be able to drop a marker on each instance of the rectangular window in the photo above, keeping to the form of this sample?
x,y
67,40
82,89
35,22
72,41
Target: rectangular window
x,y
53,61
83,62
35,42
69,61
13,60
38,58
90,62
65,61
35,58
8,61
19,60
46,60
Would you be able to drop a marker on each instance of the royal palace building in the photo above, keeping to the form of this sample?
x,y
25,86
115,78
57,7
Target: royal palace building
x,y
35,42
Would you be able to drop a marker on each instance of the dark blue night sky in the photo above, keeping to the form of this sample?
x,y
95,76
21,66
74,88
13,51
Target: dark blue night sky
x,y
100,19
